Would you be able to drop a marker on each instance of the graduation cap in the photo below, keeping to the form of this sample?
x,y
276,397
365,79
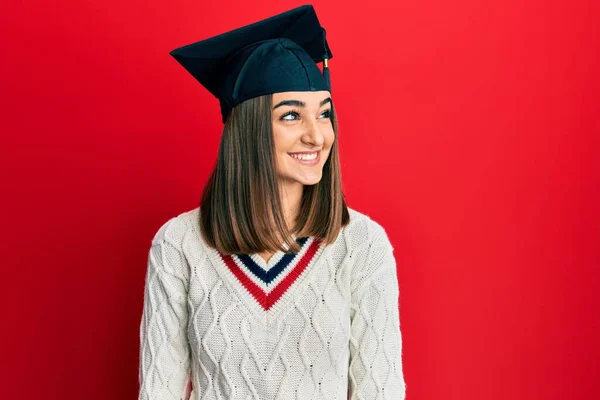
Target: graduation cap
x,y
277,54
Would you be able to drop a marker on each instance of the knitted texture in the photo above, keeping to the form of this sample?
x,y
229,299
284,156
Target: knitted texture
x,y
320,324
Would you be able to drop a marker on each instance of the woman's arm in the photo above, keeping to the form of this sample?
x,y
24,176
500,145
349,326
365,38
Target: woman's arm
x,y
164,368
375,341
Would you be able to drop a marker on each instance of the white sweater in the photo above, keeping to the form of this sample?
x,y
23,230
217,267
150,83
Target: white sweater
x,y
320,324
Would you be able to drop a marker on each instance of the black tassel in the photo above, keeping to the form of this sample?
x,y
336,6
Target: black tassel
x,y
325,66
326,75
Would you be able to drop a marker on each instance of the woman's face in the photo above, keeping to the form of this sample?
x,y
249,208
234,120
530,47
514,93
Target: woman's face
x,y
303,135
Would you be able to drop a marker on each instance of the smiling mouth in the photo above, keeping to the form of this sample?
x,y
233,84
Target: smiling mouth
x,y
306,158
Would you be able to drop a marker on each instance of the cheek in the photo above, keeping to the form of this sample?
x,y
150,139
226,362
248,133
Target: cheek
x,y
329,135
284,139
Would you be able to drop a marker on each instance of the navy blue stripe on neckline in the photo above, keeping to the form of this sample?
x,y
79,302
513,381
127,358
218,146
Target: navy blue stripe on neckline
x,y
268,276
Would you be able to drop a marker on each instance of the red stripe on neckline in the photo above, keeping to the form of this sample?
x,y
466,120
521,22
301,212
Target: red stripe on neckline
x,y
265,300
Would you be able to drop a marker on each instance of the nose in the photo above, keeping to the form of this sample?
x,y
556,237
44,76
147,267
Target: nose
x,y
313,134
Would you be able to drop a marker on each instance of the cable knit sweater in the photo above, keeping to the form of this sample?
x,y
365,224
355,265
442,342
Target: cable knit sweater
x,y
319,324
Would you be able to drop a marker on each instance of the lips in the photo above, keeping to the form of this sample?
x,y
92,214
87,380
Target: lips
x,y
306,162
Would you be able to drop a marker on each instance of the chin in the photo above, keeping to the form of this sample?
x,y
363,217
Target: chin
x,y
310,182
306,181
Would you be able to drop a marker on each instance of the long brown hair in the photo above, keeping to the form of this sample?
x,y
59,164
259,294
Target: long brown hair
x,y
241,208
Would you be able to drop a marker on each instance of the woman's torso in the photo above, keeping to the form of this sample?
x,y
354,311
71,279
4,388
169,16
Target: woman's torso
x,y
270,330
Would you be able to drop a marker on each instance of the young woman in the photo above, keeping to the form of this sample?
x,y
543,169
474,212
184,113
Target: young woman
x,y
272,288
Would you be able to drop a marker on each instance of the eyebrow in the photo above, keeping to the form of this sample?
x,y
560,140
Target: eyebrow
x,y
298,103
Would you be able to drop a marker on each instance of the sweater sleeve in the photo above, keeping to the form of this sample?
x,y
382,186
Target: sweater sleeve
x,y
164,366
375,370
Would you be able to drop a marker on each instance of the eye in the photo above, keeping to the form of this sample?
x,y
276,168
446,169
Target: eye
x,y
326,114
290,116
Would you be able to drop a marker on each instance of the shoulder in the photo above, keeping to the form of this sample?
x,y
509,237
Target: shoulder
x,y
177,229
364,230
370,251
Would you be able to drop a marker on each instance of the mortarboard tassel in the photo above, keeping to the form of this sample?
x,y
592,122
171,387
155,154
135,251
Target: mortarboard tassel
x,y
326,74
325,66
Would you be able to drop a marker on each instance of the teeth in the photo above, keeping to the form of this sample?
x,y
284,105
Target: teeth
x,y
307,157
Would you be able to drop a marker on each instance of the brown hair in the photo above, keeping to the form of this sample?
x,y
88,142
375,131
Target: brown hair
x,y
241,209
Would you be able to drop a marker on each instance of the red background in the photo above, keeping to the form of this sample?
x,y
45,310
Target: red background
x,y
468,129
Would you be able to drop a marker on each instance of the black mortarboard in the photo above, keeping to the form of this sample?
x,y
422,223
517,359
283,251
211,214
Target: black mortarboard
x,y
277,54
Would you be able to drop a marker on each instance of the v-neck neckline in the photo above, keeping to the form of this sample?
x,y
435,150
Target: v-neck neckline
x,y
285,286
268,278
